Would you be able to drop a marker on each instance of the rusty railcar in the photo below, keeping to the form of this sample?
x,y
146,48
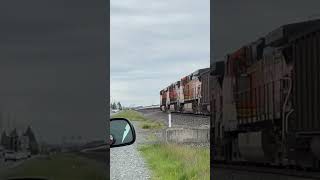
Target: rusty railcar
x,y
204,106
174,95
216,81
163,99
192,91
191,94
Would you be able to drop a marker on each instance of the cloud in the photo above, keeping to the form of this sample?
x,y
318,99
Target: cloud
x,y
155,43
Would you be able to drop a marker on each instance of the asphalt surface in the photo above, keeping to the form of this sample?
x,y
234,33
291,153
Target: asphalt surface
x,y
126,162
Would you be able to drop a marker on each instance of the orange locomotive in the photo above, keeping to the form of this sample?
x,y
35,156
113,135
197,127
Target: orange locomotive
x,y
186,95
266,104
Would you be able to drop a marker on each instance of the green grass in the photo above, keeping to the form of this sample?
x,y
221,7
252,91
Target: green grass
x,y
60,167
176,162
146,123
130,114
152,137
151,125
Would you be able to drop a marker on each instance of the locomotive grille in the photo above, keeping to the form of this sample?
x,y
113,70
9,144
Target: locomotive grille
x,y
306,57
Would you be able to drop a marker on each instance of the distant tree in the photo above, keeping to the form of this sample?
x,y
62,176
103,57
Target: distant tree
x,y
5,140
33,144
14,140
119,106
114,105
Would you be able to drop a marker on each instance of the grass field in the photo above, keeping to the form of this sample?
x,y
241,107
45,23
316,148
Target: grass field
x,y
146,123
176,162
171,161
60,167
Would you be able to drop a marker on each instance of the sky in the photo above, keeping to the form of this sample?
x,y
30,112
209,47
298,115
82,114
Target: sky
x,y
53,59
53,67
236,23
155,43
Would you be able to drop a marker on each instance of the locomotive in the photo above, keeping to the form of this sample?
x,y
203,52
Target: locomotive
x,y
191,94
265,99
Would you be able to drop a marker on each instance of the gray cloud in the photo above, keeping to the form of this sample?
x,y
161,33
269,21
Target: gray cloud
x,y
154,43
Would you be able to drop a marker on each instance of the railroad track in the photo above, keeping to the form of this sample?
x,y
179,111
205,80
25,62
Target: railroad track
x,y
175,112
191,114
178,118
270,170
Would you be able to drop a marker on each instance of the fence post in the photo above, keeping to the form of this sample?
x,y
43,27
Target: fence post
x,y
169,120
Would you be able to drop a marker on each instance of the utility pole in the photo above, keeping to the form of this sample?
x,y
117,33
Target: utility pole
x,y
14,121
1,123
8,122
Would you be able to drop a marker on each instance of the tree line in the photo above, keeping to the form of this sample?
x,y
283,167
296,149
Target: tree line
x,y
13,141
115,105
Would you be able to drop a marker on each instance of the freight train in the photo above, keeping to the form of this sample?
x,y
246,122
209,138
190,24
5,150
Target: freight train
x,y
265,101
191,94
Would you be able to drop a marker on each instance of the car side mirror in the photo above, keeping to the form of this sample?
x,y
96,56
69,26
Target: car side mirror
x,y
122,132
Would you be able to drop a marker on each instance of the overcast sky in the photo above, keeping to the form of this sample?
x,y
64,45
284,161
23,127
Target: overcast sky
x,y
154,43
237,23
53,67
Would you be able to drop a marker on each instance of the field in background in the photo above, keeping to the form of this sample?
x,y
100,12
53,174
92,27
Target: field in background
x,y
146,123
60,167
172,161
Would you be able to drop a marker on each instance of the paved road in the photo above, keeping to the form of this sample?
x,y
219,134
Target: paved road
x,y
126,162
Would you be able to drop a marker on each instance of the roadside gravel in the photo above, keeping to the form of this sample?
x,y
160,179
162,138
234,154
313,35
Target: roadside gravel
x,y
126,162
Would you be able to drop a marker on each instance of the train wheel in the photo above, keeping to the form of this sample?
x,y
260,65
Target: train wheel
x,y
227,148
181,108
226,152
194,107
175,107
